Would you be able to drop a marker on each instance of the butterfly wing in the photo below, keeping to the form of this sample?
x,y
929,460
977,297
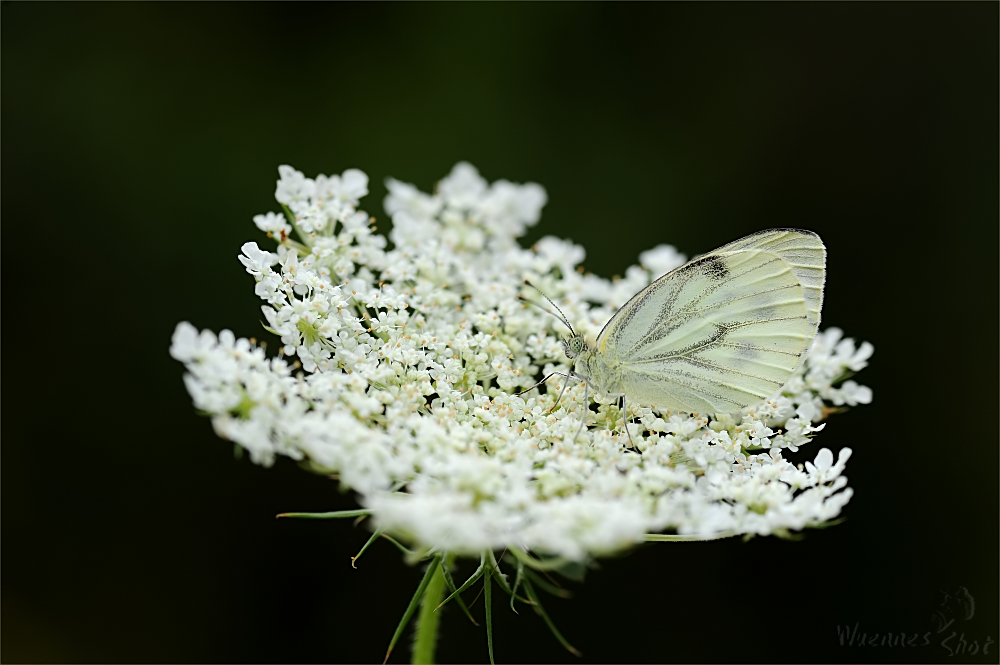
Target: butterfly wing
x,y
724,330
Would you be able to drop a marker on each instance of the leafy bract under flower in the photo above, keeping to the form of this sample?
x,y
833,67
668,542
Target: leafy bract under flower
x,y
411,358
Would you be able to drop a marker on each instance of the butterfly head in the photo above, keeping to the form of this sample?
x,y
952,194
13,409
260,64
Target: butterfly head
x,y
574,346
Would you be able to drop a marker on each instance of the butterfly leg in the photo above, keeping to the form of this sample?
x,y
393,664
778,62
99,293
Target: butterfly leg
x,y
625,422
568,377
547,377
586,407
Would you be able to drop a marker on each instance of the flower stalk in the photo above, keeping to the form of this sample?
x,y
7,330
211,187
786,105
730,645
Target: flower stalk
x,y
425,643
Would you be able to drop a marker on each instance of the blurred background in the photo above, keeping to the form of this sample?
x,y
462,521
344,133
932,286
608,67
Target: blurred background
x,y
140,139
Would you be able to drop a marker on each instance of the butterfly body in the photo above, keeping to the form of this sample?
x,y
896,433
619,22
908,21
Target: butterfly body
x,y
601,371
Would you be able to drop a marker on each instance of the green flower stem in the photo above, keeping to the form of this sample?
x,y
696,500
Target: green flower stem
x,y
673,538
428,620
538,564
340,514
487,591
304,245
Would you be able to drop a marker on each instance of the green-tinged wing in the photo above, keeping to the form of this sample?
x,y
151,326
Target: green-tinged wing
x,y
724,330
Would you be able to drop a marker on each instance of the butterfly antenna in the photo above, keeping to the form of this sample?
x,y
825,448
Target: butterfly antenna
x,y
546,310
561,316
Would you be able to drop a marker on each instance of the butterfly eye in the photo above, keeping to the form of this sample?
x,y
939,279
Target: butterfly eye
x,y
575,345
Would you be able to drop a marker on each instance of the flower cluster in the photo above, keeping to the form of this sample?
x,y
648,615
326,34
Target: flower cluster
x,y
399,369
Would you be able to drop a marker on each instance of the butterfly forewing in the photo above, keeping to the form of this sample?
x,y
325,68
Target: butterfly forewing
x,y
723,331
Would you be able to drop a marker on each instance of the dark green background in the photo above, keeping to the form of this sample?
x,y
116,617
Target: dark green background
x,y
140,139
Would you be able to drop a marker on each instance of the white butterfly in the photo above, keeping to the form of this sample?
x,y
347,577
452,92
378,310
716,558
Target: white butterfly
x,y
719,333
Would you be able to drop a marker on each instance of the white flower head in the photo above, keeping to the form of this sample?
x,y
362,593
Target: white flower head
x,y
406,364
